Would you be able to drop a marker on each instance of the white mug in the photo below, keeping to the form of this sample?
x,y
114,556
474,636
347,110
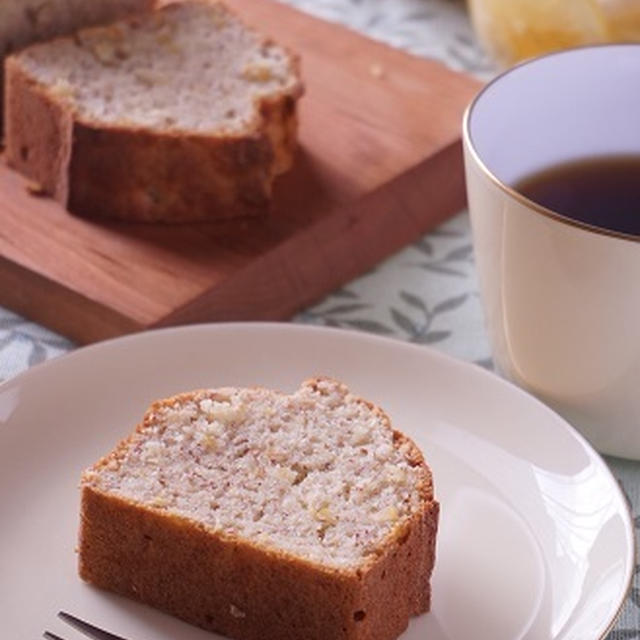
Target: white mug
x,y
561,298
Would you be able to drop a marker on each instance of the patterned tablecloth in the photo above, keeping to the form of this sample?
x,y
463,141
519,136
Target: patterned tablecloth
x,y
426,293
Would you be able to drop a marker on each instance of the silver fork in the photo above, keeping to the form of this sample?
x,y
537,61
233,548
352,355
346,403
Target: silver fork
x,y
88,629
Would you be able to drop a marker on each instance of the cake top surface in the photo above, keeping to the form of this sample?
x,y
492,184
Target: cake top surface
x,y
318,474
190,66
25,21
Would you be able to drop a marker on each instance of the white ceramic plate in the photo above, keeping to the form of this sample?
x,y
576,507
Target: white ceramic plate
x,y
535,538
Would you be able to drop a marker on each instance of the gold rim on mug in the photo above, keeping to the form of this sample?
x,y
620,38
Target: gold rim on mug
x,y
550,213
560,218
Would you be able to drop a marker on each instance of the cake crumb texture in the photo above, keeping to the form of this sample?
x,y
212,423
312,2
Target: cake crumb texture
x,y
265,515
23,22
179,114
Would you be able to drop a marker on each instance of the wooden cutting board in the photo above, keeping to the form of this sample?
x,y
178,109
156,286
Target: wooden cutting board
x,y
379,164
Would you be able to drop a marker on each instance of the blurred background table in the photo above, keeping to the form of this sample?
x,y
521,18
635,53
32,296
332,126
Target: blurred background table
x,y
427,293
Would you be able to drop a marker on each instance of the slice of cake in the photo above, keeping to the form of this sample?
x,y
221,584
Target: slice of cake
x,y
180,114
265,516
23,22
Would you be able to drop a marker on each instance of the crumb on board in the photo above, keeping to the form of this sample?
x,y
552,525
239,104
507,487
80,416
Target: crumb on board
x,y
376,70
35,188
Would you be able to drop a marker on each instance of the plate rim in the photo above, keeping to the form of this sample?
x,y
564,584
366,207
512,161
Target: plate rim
x,y
365,337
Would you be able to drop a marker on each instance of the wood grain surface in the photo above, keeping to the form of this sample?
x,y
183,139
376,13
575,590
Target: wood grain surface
x,y
379,164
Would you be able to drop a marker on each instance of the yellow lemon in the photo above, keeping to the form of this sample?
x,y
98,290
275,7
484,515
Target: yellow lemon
x,y
514,30
622,18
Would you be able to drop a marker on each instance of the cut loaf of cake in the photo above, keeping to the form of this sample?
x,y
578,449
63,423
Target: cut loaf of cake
x,y
180,114
265,516
23,22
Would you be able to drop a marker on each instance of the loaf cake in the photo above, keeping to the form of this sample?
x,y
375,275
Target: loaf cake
x,y
23,22
265,516
180,114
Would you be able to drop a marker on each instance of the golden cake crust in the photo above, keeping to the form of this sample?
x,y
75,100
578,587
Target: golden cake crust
x,y
247,589
147,174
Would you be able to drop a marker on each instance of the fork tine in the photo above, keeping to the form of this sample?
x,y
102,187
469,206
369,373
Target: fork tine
x,y
88,629
51,636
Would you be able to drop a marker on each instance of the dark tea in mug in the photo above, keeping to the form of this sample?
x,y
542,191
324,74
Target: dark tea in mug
x,y
603,191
